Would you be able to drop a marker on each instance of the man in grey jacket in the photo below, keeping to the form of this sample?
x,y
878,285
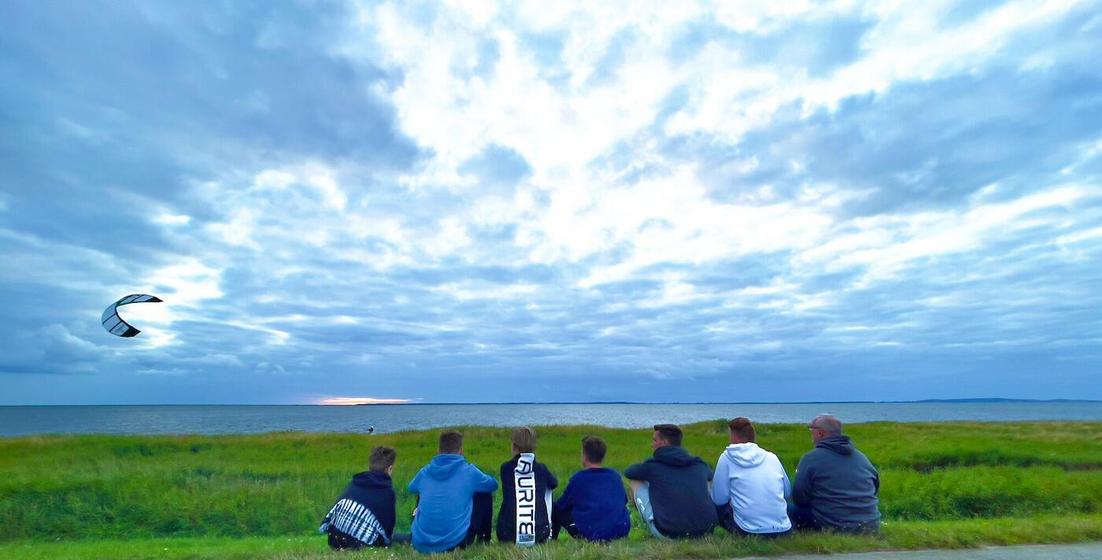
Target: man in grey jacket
x,y
836,485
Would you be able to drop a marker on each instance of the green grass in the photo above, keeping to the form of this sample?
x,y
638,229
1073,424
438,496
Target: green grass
x,y
943,485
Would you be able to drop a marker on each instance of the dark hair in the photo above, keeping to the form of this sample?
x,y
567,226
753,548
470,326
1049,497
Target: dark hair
x,y
670,433
742,428
524,440
594,449
451,441
382,457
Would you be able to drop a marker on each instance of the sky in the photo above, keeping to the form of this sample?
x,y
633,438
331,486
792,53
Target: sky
x,y
474,201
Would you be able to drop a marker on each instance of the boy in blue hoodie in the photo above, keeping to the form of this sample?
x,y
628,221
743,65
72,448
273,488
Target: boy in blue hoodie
x,y
594,505
455,500
364,513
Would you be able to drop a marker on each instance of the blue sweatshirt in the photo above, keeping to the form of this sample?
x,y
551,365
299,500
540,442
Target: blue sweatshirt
x,y
839,484
447,486
597,501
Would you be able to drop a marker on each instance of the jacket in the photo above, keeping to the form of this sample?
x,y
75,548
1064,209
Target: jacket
x,y
446,487
753,481
678,492
839,484
506,517
363,514
596,500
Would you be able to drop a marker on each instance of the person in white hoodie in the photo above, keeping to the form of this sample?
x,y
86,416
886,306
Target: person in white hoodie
x,y
750,485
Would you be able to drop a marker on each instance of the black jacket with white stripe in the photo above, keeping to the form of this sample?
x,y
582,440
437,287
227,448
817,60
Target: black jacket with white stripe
x,y
364,513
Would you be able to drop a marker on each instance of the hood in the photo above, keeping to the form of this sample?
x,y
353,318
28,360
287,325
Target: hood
x,y
838,444
675,456
745,454
443,466
368,479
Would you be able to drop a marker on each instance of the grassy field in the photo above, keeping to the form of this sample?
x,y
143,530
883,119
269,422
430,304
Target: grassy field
x,y
943,485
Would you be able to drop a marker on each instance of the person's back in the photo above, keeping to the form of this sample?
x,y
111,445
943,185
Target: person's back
x,y
836,483
677,487
364,512
447,488
753,483
594,505
527,484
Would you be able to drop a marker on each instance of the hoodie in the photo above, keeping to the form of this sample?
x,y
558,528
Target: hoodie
x,y
678,492
446,487
506,517
753,481
597,503
363,514
838,483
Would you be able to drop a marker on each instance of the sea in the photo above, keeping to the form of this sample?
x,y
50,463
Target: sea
x,y
248,419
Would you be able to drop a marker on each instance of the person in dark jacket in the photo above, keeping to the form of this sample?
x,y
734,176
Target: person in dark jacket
x,y
671,488
836,486
364,513
525,514
594,505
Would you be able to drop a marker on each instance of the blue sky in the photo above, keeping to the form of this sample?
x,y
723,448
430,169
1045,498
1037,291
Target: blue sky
x,y
473,201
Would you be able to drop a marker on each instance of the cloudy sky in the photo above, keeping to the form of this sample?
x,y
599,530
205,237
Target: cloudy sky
x,y
473,201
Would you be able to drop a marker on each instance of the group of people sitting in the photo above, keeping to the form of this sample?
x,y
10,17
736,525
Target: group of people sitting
x,y
677,495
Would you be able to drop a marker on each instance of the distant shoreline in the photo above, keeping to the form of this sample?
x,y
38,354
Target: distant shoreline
x,y
921,401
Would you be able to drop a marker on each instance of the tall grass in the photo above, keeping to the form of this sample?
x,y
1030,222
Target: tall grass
x,y
279,484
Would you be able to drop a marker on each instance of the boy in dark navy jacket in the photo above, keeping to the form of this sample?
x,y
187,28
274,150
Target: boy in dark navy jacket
x,y
525,515
364,513
594,505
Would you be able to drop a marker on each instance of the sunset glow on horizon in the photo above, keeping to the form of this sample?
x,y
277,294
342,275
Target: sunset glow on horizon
x,y
344,401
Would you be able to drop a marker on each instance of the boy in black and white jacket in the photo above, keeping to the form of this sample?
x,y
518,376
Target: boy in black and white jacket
x,y
364,513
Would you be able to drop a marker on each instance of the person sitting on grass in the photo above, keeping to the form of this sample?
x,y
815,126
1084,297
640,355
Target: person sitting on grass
x,y
364,513
750,485
671,488
836,486
455,500
525,514
594,505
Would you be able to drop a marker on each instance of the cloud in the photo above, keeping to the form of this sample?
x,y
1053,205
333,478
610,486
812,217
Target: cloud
x,y
694,201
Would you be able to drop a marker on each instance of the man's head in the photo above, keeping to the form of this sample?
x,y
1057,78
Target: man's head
x,y
824,426
382,459
593,451
451,442
741,430
665,435
524,440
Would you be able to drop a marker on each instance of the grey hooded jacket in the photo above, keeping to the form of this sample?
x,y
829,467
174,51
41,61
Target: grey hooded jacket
x,y
838,483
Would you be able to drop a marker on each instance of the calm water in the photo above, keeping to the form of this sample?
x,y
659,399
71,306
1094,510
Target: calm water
x,y
25,420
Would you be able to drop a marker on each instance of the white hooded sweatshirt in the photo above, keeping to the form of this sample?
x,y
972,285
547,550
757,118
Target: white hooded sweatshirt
x,y
754,482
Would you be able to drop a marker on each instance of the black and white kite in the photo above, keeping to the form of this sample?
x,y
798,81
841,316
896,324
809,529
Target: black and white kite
x,y
114,324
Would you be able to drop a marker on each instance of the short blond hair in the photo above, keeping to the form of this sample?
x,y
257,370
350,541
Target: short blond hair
x,y
524,440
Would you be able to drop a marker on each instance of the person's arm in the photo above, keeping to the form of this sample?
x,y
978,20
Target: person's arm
x,y
552,482
638,471
415,484
801,490
721,483
565,502
483,481
787,486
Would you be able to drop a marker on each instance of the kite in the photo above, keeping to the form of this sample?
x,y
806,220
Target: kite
x,y
114,324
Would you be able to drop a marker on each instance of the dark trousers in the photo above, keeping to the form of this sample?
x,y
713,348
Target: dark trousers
x,y
341,541
482,521
727,520
560,520
802,518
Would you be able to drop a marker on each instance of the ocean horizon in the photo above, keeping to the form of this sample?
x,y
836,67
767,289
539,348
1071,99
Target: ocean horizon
x,y
24,420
